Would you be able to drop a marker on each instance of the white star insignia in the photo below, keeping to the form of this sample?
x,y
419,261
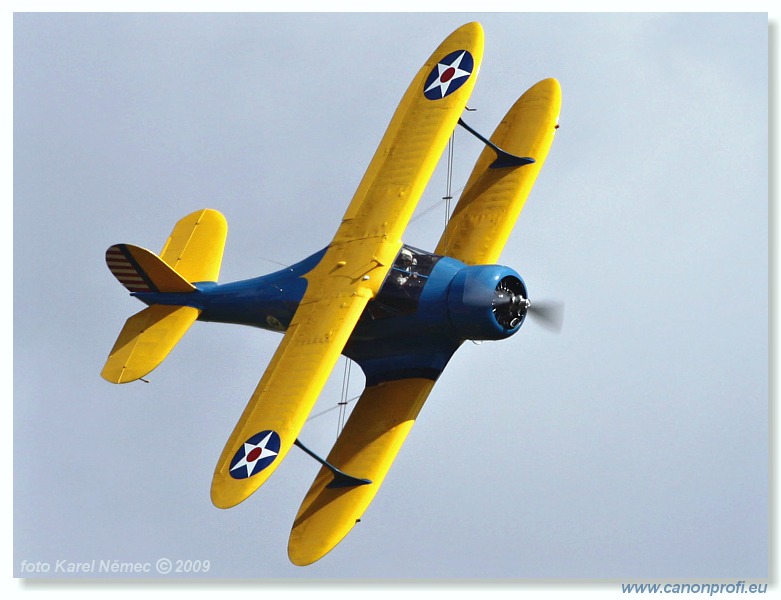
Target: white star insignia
x,y
253,453
447,74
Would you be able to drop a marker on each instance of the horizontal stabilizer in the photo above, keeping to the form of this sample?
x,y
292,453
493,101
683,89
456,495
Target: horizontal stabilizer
x,y
145,341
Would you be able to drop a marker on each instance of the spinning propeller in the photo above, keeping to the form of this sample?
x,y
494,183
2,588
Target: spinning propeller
x,y
510,306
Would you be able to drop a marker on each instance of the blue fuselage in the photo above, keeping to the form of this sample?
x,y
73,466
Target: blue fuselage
x,y
427,306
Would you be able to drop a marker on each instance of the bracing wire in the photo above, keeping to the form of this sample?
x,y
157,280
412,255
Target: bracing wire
x,y
434,206
276,262
327,410
449,184
343,400
444,200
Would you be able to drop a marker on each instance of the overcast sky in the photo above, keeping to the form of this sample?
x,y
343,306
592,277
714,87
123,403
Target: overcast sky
x,y
632,445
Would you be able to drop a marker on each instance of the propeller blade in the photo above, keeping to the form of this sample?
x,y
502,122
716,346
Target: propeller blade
x,y
548,313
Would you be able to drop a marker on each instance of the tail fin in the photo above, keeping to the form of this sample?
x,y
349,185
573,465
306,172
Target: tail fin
x,y
194,248
192,253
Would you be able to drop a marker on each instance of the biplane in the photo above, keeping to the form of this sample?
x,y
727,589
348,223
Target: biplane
x,y
396,311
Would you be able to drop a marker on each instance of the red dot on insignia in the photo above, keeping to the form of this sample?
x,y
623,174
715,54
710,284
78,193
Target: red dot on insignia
x,y
254,454
447,75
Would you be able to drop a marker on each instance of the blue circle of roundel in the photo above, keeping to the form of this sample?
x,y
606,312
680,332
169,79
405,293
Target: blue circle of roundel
x,y
448,75
257,453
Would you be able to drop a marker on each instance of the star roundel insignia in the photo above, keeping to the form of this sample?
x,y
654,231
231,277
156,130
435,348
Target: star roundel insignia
x,y
255,454
448,75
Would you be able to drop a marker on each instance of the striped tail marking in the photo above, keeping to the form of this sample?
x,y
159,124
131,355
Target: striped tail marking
x,y
142,271
122,265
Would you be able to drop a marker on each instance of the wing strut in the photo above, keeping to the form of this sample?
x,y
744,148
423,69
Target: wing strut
x,y
503,159
341,479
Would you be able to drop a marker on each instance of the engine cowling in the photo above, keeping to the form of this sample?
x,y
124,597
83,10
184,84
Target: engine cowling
x,y
487,302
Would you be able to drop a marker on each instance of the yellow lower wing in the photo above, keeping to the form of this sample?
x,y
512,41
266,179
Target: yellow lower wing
x,y
493,198
353,268
366,448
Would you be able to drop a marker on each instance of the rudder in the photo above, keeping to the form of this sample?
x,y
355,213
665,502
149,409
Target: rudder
x,y
142,271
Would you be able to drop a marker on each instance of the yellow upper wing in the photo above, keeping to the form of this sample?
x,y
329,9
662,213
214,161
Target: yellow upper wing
x,y
493,198
353,267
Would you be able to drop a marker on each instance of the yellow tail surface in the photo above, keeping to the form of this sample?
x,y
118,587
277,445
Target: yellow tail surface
x,y
192,253
145,340
194,248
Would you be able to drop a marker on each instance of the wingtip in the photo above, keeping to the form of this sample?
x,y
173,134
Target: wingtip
x,y
301,560
474,26
303,552
470,35
548,86
547,92
227,494
475,30
221,500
